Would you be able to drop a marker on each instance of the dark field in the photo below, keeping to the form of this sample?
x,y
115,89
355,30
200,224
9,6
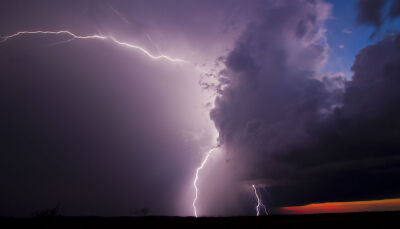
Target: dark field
x,y
352,220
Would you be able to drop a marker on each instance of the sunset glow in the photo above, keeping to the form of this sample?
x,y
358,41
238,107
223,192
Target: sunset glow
x,y
342,207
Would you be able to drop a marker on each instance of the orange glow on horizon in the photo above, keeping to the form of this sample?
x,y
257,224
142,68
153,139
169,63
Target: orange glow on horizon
x,y
343,207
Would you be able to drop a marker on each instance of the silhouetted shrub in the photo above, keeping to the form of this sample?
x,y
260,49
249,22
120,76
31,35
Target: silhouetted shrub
x,y
49,212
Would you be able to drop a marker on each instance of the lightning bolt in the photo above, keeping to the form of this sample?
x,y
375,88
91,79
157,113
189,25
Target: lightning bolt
x,y
73,36
196,179
260,206
99,37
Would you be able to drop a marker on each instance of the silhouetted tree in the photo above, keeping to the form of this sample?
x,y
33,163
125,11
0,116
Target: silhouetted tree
x,y
49,212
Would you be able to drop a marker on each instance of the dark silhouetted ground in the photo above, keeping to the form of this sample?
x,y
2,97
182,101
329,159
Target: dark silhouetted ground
x,y
349,220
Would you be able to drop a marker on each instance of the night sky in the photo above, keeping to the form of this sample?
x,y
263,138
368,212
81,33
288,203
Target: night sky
x,y
185,107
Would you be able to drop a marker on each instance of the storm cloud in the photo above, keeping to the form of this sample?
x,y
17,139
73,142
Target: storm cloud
x,y
373,11
309,137
97,128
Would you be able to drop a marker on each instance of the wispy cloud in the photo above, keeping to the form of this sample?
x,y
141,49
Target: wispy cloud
x,y
347,31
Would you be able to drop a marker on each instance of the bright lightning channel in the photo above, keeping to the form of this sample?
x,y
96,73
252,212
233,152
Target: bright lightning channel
x,y
100,37
73,36
196,178
260,206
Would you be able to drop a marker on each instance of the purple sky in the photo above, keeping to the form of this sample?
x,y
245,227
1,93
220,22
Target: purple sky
x,y
100,128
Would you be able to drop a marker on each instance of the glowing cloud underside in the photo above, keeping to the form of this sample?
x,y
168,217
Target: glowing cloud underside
x,y
99,37
260,206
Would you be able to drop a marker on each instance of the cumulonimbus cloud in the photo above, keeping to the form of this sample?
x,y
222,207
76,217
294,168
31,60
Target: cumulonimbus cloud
x,y
305,136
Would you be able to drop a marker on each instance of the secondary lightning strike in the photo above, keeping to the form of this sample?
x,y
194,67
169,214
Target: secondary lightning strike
x,y
101,37
260,205
196,178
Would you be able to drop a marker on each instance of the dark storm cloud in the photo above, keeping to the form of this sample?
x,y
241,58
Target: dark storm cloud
x,y
370,11
395,9
354,155
309,138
